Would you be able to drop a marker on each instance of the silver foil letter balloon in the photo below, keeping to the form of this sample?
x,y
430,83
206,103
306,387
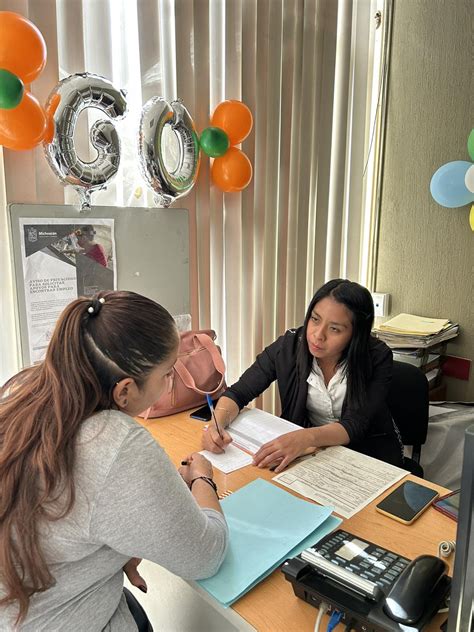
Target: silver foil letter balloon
x,y
68,99
160,121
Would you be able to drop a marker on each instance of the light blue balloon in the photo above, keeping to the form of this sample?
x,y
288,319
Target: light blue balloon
x,y
448,187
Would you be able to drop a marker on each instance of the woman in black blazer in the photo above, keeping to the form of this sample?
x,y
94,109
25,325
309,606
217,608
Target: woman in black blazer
x,y
333,378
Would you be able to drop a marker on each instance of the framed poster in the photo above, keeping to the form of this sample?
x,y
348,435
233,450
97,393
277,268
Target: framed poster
x,y
60,254
61,260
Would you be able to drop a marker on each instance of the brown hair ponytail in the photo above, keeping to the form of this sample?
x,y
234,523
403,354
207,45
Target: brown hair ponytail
x,y
95,344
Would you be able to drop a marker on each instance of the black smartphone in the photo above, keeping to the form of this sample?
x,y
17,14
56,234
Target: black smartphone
x,y
408,501
203,413
449,504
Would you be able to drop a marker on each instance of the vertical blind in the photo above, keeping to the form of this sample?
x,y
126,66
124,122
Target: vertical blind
x,y
302,67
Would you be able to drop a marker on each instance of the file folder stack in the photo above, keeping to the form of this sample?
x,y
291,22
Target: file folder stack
x,y
267,526
419,341
409,331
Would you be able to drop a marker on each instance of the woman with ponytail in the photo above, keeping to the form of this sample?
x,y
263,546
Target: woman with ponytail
x,y
85,490
333,378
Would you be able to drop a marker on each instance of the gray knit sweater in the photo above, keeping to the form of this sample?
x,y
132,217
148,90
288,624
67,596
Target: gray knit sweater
x,y
130,502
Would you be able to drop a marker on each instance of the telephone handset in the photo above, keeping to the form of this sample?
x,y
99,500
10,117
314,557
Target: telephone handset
x,y
369,584
412,592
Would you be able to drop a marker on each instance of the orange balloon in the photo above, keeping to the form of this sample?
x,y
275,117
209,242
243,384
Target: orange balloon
x,y
234,118
51,108
24,126
22,47
232,171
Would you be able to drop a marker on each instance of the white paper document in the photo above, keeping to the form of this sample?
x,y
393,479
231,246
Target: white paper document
x,y
341,477
232,459
252,428
249,431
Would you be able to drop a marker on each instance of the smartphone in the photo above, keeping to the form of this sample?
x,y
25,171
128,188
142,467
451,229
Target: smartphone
x,y
203,413
408,501
449,504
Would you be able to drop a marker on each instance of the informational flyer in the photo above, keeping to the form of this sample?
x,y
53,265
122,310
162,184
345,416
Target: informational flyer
x,y
62,259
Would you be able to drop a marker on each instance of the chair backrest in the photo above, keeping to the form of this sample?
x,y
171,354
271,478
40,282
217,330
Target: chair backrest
x,y
408,401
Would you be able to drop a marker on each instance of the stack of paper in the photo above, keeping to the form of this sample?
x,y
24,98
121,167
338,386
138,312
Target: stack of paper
x,y
408,330
416,325
267,525
417,358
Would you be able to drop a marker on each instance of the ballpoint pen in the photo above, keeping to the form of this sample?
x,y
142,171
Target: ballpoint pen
x,y
211,408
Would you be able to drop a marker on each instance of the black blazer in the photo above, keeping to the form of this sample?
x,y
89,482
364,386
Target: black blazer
x,y
370,429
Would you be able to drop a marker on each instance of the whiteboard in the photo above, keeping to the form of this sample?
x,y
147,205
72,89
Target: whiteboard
x,y
152,249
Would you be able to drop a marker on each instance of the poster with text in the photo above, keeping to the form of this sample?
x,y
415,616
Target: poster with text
x,y
62,259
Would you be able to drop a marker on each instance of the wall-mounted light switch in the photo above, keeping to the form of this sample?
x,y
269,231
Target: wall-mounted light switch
x,y
381,303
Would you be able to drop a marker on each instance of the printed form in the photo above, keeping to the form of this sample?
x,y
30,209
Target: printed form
x,y
341,477
249,431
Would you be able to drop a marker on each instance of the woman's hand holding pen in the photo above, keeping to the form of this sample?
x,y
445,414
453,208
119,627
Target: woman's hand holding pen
x,y
214,436
214,441
197,472
284,449
195,465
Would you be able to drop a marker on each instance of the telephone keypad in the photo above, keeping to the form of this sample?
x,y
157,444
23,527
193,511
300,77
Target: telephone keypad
x,y
364,559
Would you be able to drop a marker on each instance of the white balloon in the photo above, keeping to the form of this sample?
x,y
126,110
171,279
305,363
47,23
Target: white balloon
x,y
469,179
168,149
76,93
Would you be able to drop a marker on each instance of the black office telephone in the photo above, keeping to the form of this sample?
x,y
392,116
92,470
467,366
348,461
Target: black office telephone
x,y
375,589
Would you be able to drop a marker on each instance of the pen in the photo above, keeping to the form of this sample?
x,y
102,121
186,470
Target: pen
x,y
211,408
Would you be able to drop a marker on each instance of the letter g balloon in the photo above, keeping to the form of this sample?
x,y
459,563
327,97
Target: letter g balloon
x,y
70,97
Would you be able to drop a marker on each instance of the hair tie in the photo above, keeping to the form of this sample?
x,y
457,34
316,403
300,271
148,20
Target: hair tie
x,y
95,306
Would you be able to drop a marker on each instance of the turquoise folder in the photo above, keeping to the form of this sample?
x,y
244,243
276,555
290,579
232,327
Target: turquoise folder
x,y
267,525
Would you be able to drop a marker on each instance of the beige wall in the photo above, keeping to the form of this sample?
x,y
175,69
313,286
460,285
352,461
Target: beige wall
x,y
426,251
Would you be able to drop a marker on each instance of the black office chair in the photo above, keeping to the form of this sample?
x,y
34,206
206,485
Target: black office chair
x,y
408,401
138,613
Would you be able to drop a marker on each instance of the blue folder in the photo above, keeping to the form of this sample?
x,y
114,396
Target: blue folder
x,y
267,525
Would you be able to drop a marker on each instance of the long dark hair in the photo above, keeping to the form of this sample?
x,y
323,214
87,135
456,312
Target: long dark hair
x,y
358,368
95,344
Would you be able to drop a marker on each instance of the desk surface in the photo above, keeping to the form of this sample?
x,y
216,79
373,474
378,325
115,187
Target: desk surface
x,y
180,435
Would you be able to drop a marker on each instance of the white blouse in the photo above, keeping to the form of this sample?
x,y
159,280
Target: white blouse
x,y
324,403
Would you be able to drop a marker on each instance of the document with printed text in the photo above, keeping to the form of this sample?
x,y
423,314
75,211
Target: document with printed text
x,y
341,477
252,428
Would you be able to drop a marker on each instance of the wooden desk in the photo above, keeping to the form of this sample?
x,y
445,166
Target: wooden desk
x,y
272,606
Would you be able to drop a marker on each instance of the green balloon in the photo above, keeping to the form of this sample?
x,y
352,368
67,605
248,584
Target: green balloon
x,y
11,90
470,144
214,142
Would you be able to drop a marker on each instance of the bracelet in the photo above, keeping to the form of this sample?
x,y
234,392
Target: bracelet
x,y
208,480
